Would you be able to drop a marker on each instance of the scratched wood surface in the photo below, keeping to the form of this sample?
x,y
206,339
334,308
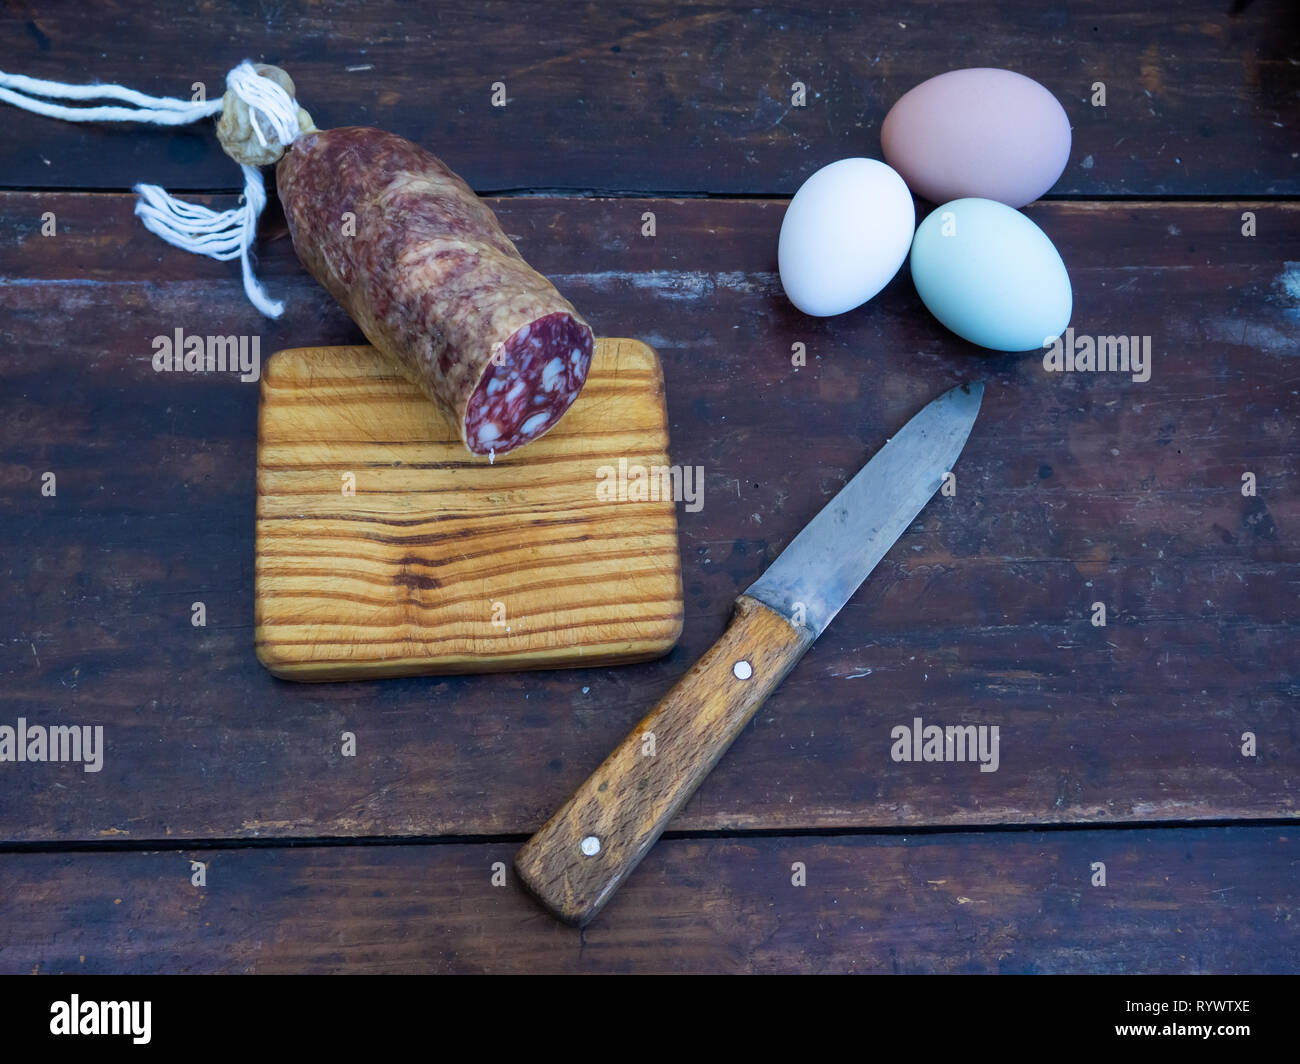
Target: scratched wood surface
x,y
1071,491
1074,489
1188,901
670,96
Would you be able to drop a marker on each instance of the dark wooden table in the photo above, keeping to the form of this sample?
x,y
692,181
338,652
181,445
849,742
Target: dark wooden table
x,y
1120,745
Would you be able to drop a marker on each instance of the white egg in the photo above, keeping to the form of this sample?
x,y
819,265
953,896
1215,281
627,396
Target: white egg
x,y
844,236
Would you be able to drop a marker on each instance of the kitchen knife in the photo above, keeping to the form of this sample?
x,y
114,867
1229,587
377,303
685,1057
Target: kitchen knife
x,y
585,851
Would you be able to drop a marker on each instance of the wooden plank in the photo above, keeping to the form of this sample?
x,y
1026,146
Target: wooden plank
x,y
439,562
1203,900
1073,489
674,96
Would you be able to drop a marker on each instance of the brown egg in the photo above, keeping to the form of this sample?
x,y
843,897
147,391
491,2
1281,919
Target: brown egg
x,y
992,134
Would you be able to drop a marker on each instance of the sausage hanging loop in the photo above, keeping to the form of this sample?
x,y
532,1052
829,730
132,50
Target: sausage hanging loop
x,y
259,118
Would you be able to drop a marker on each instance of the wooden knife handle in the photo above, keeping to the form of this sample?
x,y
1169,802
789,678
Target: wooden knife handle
x,y
585,851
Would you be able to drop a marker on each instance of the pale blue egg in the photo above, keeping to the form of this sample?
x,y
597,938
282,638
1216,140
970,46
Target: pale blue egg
x,y
991,275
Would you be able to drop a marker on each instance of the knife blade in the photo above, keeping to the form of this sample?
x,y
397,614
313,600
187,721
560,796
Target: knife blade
x,y
581,856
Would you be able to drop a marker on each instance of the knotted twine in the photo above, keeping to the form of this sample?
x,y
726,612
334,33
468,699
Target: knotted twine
x,y
259,119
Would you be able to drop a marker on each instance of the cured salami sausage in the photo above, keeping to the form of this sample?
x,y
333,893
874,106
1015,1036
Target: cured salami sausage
x,y
424,268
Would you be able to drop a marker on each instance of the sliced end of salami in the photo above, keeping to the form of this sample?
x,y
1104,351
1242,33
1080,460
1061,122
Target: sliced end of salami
x,y
529,383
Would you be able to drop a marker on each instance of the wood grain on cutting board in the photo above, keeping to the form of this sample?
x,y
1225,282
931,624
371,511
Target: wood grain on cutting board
x,y
383,548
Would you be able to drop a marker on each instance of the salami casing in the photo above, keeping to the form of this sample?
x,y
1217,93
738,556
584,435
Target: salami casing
x,y
424,268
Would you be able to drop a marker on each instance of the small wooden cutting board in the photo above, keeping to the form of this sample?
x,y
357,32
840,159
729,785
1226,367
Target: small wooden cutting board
x,y
384,548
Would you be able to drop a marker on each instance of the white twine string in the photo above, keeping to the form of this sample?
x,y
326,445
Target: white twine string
x,y
19,90
219,235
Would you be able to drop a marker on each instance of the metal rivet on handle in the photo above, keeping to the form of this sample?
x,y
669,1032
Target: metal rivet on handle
x,y
590,846
742,670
